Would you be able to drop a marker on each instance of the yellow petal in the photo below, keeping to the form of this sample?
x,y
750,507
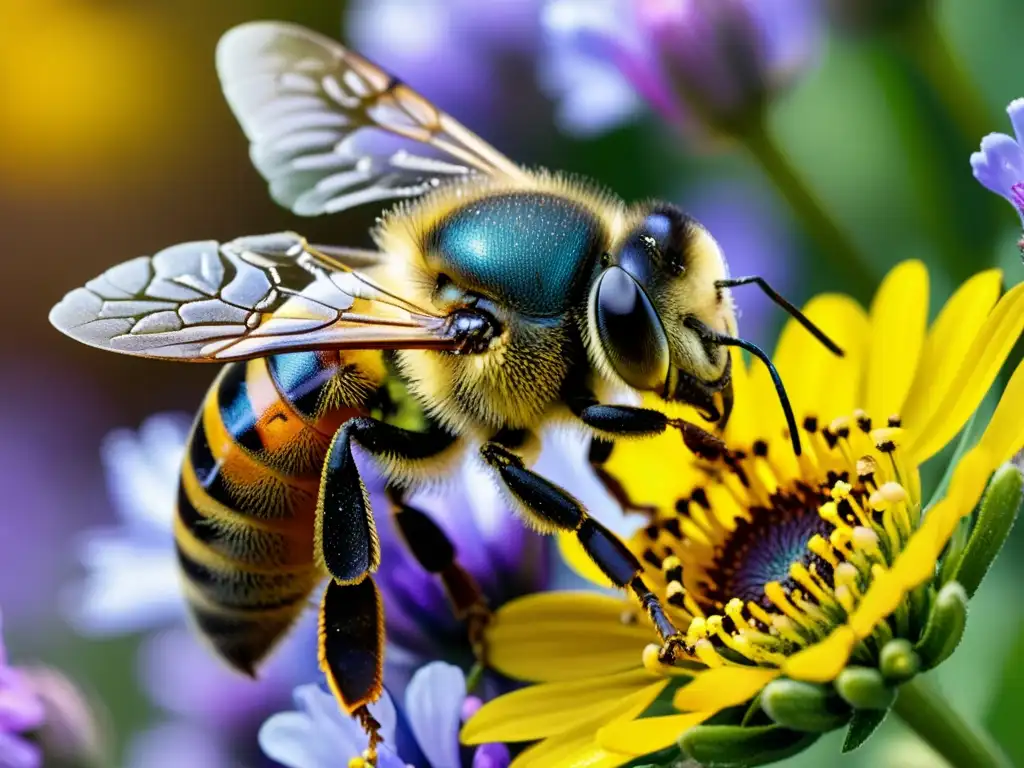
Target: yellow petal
x,y
978,370
556,636
722,687
545,710
818,383
1004,435
576,557
745,424
578,746
899,317
651,734
822,662
950,338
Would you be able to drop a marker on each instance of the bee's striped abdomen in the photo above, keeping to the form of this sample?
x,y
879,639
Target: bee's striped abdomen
x,y
247,497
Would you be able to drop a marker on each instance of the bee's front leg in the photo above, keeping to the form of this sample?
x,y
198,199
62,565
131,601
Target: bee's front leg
x,y
551,509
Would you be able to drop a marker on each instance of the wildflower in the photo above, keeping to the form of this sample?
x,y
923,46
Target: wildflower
x,y
999,166
425,731
710,62
464,55
808,588
21,714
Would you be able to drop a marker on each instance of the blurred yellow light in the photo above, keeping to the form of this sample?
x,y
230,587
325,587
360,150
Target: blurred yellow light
x,y
87,91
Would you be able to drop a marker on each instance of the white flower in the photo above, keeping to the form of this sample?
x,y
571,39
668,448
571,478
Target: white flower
x,y
132,581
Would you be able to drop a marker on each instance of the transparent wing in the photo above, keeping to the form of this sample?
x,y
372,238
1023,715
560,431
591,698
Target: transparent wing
x,y
323,123
212,302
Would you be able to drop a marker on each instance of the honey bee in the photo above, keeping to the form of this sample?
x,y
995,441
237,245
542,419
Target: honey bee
x,y
499,301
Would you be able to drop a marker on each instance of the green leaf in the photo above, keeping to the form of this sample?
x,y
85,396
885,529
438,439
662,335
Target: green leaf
x,y
865,688
731,746
804,706
996,516
862,725
945,626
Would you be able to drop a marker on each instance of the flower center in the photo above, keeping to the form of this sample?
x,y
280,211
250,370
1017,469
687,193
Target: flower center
x,y
763,549
777,550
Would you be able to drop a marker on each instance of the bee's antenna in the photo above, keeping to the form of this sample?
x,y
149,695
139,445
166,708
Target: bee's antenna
x,y
712,337
775,296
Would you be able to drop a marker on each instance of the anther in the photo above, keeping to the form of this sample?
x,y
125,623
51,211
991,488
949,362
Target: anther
x,y
700,496
673,528
866,469
651,531
841,491
892,492
865,539
863,420
845,573
672,568
811,424
760,448
840,426
895,421
651,557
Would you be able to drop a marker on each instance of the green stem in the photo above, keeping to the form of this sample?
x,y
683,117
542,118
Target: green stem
x,y
928,48
929,715
835,244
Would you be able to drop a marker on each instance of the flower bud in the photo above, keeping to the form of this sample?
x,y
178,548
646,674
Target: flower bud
x,y
996,516
865,688
945,625
898,662
804,706
725,58
736,745
73,734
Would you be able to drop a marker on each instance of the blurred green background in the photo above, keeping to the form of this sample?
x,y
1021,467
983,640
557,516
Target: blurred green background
x,y
115,140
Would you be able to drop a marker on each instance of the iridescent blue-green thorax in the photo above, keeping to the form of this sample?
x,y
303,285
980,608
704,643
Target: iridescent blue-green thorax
x,y
531,251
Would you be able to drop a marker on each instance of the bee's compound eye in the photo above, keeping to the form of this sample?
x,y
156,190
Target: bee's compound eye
x,y
630,330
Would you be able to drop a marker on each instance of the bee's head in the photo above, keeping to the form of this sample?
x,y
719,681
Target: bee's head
x,y
652,304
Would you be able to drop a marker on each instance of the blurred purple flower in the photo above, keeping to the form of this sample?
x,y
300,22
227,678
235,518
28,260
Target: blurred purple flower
x,y
425,731
748,225
467,56
21,712
705,64
999,166
132,582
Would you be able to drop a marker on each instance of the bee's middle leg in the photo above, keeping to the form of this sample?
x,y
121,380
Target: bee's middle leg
x,y
436,553
552,509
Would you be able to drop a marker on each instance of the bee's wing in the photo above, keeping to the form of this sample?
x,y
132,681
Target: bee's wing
x,y
212,302
323,123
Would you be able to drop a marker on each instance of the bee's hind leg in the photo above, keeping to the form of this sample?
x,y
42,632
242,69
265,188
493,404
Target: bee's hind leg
x,y
351,627
436,553
350,644
552,509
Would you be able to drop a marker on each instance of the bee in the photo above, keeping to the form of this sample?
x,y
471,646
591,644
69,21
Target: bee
x,y
498,301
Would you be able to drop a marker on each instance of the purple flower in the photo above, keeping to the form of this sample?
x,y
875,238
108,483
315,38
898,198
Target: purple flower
x,y
21,712
748,226
710,64
999,166
423,731
465,55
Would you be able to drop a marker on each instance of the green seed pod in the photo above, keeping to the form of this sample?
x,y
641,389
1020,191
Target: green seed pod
x,y
996,516
898,662
804,706
945,625
736,746
865,688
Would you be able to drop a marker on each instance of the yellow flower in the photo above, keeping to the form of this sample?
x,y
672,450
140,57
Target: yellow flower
x,y
781,569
